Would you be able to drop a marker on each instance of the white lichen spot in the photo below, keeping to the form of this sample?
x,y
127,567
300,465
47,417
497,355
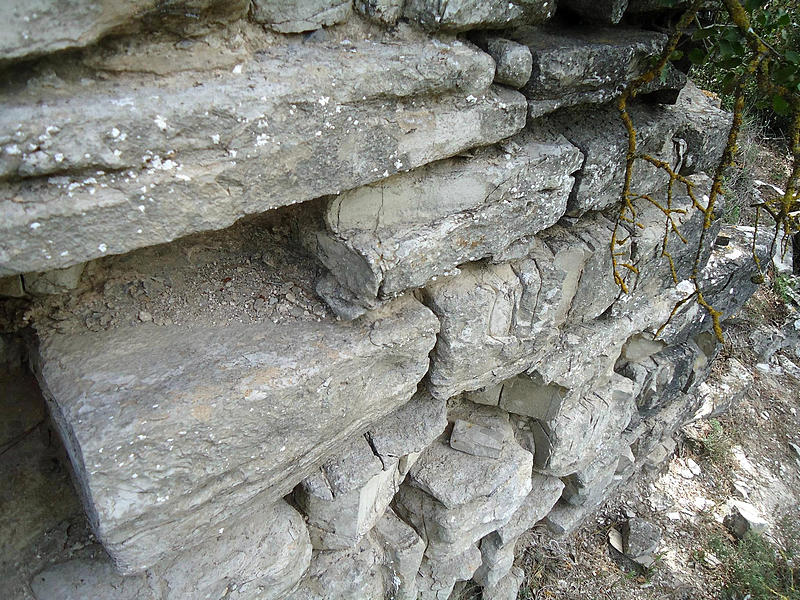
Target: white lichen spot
x,y
12,149
398,164
64,253
323,101
58,157
35,225
141,207
318,133
237,69
160,122
103,248
114,133
215,138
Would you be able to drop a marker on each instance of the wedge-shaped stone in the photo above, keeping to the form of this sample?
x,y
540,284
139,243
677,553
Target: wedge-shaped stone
x,y
383,564
499,320
35,28
601,136
404,231
351,491
580,66
455,498
705,129
300,15
437,576
583,426
462,15
262,555
323,133
171,430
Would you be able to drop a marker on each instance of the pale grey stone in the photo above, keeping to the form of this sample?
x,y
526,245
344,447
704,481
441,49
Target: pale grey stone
x,y
600,11
454,499
489,395
476,440
387,12
705,128
405,231
81,579
513,61
294,16
437,576
261,554
508,587
584,65
409,429
497,559
161,458
545,492
299,128
11,287
583,426
403,550
32,28
743,518
57,281
462,15
640,539
527,395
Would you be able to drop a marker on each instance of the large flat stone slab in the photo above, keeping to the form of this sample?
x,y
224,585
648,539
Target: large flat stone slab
x,y
82,186
172,428
40,27
584,65
462,15
402,232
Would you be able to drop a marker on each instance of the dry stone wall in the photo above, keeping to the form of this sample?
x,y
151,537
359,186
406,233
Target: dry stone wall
x,y
319,293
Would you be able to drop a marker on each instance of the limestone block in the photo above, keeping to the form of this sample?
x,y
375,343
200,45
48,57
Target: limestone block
x,y
462,15
583,426
600,134
80,579
405,231
41,27
705,128
513,61
387,12
744,517
508,587
347,496
384,564
277,554
171,430
500,320
497,560
476,440
545,492
11,287
584,65
53,282
437,576
600,11
455,498
403,550
319,132
295,16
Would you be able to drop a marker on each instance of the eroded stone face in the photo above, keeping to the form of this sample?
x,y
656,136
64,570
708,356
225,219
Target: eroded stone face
x,y
247,409
462,15
300,15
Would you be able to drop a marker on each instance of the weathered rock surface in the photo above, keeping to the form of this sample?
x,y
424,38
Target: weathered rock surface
x,y
584,66
53,282
251,413
28,26
603,11
402,232
461,15
513,61
387,12
300,15
327,125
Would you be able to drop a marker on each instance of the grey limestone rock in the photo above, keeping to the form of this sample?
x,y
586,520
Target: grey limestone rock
x,y
53,282
545,492
437,576
508,587
402,232
152,194
161,459
462,15
403,551
601,11
476,440
11,286
387,12
40,27
455,498
513,61
294,16
584,65
744,518
497,560
80,579
705,128
640,540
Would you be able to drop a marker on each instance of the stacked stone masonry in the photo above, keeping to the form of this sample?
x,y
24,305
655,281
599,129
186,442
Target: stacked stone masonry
x,y
319,293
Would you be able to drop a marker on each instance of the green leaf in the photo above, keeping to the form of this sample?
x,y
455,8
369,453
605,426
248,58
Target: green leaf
x,y
725,49
779,105
793,57
697,56
676,55
751,5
